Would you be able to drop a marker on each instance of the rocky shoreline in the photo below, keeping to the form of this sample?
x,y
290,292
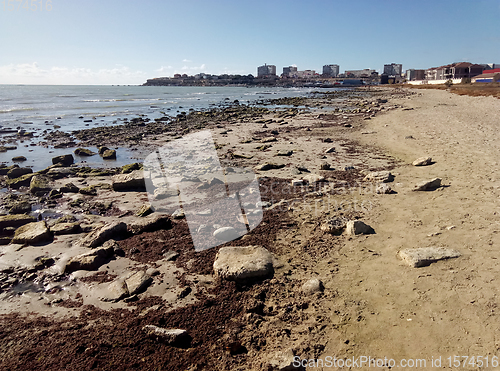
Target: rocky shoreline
x,y
92,277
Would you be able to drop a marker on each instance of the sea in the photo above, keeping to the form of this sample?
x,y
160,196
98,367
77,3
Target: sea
x,y
43,108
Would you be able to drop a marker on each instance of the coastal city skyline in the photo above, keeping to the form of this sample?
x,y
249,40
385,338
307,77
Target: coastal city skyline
x,y
120,42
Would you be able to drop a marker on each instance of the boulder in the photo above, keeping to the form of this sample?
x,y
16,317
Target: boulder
x,y
297,182
269,166
379,177
312,286
99,236
424,256
422,161
84,152
32,233
226,234
64,160
69,188
161,193
138,282
150,223
167,336
18,158
178,214
428,185
22,181
16,172
355,227
284,153
133,181
239,263
88,191
15,221
65,228
109,154
91,260
39,185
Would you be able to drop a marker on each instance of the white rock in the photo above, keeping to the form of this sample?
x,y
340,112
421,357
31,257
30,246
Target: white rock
x,y
423,256
379,177
428,185
283,361
330,150
137,282
241,263
383,188
312,286
226,234
355,227
313,178
422,161
168,336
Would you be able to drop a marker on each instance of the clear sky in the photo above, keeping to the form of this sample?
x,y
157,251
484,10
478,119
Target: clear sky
x,y
129,41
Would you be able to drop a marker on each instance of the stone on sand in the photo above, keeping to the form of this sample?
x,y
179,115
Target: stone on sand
x,y
99,236
379,177
167,336
355,227
422,161
312,286
423,256
133,181
238,263
32,233
428,185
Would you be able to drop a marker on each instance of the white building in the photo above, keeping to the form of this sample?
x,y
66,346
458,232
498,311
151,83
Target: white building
x,y
393,69
266,70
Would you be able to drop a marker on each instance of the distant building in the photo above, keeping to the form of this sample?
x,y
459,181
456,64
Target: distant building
x,y
331,70
412,75
305,74
266,70
360,73
454,71
289,71
490,66
393,69
487,76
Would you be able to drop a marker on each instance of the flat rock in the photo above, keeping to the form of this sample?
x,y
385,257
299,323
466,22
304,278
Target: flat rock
x,y
268,140
424,256
133,181
428,185
145,210
109,154
284,153
334,226
32,233
383,188
379,177
20,207
167,336
238,263
269,166
226,234
84,152
313,178
91,260
65,228
61,172
312,286
64,160
355,227
69,188
422,161
99,236
39,185
178,214
150,223
115,291
138,282
15,221
22,181
297,182
241,155
161,193
18,171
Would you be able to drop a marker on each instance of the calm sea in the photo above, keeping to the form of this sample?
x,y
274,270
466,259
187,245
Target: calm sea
x,y
37,108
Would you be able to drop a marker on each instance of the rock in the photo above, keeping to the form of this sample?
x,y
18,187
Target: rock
x,y
15,221
99,236
241,155
89,191
21,207
22,181
178,214
167,336
312,286
268,166
423,256
91,260
422,161
226,234
84,152
284,361
32,233
313,178
428,185
61,172
133,181
161,193
383,188
355,227
379,177
145,210
330,150
64,160
69,188
126,169
4,169
324,166
150,223
138,282
284,153
297,182
170,255
102,149
109,154
18,172
18,158
334,226
116,291
238,263
65,228
39,185
54,193
268,140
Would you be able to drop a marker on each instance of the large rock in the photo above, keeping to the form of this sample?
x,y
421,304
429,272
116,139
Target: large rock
x,y
32,233
15,221
312,286
226,234
64,160
268,166
20,207
65,228
313,178
39,185
109,154
133,181
379,177
69,188
84,152
167,336
238,263
18,171
422,161
151,223
138,282
423,256
61,172
115,291
99,236
91,260
4,169
22,181
428,185
355,227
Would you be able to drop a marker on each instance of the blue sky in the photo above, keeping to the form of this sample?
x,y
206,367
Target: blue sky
x,y
127,42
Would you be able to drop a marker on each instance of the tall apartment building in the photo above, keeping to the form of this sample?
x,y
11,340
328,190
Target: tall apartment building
x,y
289,71
393,69
331,70
412,74
266,70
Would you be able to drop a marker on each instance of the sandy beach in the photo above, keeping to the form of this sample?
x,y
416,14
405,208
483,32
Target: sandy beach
x,y
328,293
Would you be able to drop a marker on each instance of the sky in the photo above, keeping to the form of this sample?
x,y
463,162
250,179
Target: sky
x,y
127,42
